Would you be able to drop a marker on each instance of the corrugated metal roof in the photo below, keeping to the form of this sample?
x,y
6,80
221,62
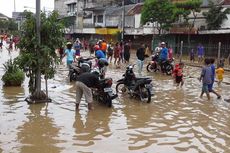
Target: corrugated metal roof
x,y
136,9
115,11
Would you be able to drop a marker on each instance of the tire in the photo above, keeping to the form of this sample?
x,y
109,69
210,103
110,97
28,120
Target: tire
x,y
150,68
73,77
168,69
123,88
145,94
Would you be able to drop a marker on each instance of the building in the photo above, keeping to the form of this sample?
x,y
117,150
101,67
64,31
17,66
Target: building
x,y
93,18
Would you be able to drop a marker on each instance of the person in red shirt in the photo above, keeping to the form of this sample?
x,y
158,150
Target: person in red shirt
x,y
178,74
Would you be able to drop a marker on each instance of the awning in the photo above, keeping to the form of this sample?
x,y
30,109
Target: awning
x,y
222,31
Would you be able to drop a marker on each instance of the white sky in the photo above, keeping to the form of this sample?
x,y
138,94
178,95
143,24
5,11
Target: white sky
x,y
7,6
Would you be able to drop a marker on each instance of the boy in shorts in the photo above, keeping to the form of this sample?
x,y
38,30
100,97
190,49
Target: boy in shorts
x,y
206,77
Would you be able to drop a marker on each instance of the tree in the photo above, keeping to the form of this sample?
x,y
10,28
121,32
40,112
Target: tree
x,y
215,16
9,25
162,12
189,10
34,56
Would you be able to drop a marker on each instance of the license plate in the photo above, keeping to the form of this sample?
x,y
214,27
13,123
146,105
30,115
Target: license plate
x,y
108,89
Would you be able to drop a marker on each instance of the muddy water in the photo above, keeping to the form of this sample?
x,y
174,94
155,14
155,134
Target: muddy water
x,y
176,120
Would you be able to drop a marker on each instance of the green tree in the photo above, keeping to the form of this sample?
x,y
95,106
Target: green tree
x,y
163,12
34,56
215,16
9,25
189,10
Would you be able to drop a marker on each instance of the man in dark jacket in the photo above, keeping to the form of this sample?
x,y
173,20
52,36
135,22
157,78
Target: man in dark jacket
x,y
140,58
84,83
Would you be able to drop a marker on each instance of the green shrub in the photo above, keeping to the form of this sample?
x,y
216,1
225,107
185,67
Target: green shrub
x,y
13,75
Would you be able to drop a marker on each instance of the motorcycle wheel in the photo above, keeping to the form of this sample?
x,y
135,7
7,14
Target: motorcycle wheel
x,y
145,94
73,77
121,88
169,69
151,68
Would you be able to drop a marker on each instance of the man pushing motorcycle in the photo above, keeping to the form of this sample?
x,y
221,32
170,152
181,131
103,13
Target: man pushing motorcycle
x,y
84,83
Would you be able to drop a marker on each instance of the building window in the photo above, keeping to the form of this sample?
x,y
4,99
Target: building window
x,y
72,7
100,18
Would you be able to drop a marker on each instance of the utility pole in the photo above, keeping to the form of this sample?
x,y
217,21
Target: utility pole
x,y
14,6
38,32
123,20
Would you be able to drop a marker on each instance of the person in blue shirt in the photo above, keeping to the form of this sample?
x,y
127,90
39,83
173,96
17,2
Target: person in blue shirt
x,y
77,47
210,86
163,55
99,54
70,53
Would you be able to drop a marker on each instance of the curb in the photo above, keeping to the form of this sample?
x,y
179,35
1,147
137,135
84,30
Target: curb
x,y
194,65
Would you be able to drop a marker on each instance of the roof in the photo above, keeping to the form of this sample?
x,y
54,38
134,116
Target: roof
x,y
221,31
116,10
2,16
136,9
206,2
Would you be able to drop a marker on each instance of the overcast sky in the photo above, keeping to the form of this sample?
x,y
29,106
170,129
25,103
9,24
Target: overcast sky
x,y
7,6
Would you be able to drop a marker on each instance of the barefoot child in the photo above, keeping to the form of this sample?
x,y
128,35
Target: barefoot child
x,y
220,74
205,76
210,86
178,74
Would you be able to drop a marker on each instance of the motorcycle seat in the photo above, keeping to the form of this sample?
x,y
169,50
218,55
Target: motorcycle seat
x,y
144,78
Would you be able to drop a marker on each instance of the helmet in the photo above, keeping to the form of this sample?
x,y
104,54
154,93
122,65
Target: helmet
x,y
162,43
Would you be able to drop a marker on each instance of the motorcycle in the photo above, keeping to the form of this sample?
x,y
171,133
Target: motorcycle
x,y
82,65
136,87
104,93
152,65
167,66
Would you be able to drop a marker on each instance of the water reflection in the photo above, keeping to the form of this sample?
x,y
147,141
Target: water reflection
x,y
13,94
38,133
92,127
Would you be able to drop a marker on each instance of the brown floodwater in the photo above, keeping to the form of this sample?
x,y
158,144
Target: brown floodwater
x,y
176,120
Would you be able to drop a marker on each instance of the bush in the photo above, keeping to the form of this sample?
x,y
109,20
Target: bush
x,y
13,75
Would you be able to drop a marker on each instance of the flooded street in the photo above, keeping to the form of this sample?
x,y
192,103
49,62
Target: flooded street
x,y
176,120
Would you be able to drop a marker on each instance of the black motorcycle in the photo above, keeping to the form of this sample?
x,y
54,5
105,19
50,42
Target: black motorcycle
x,y
82,65
104,93
136,87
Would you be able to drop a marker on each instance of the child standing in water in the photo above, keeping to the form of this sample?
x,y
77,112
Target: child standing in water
x,y
206,77
210,86
220,74
178,74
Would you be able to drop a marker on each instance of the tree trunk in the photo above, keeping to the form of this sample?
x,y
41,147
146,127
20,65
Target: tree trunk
x,y
38,94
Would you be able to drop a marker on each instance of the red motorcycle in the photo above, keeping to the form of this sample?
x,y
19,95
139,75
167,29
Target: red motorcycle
x,y
154,66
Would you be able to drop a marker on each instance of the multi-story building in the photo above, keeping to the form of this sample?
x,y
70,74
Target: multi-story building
x,y
95,17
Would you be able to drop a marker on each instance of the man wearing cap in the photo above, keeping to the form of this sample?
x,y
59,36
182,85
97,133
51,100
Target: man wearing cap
x,y
163,55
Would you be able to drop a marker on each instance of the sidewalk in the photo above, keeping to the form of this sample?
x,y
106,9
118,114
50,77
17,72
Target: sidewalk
x,y
227,69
